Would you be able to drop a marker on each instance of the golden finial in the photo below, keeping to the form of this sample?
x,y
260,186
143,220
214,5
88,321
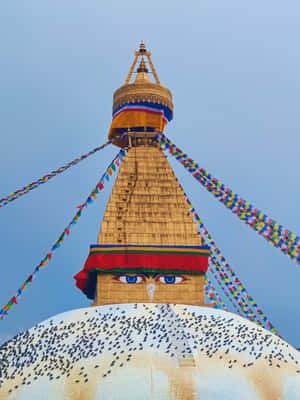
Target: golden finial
x,y
142,67
142,91
141,53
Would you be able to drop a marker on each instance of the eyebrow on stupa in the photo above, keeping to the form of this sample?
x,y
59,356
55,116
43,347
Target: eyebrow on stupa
x,y
147,275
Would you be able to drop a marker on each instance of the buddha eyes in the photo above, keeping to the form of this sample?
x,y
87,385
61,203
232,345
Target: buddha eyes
x,y
171,279
130,279
168,279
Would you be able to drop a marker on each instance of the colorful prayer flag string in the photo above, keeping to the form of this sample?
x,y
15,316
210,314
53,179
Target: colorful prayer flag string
x,y
235,291
93,195
192,166
272,231
213,295
15,195
232,301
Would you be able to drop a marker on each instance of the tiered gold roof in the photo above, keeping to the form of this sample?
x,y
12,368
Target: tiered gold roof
x,y
146,205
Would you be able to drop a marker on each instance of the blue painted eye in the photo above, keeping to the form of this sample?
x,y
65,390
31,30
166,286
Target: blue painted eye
x,y
171,279
130,279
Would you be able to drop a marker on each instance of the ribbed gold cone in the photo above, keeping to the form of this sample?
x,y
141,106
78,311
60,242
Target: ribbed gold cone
x,y
146,207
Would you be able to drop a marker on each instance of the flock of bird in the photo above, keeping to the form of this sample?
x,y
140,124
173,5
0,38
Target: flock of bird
x,y
103,339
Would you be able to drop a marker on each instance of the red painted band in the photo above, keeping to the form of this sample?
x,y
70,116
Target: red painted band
x,y
127,261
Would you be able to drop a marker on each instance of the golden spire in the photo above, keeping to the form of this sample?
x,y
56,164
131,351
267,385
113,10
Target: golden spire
x,y
142,73
139,92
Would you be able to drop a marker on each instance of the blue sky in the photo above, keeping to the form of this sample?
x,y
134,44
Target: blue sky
x,y
233,68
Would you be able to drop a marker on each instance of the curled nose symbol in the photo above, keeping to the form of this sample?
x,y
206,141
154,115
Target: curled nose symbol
x,y
151,290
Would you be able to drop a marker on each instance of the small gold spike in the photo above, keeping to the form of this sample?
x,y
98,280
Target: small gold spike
x,y
142,47
142,67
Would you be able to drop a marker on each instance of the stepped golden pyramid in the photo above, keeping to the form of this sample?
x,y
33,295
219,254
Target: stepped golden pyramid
x,y
149,334
147,208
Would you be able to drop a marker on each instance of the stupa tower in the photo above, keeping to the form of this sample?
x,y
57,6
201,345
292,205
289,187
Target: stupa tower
x,y
149,248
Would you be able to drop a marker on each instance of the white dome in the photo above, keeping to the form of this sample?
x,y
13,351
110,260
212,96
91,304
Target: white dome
x,y
148,351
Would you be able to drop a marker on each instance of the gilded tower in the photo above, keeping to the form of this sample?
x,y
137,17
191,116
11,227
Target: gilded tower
x,y
148,248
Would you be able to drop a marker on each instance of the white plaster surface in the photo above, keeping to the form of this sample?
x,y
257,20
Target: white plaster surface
x,y
148,351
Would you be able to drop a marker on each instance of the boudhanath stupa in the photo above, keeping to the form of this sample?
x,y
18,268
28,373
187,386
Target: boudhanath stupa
x,y
149,333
